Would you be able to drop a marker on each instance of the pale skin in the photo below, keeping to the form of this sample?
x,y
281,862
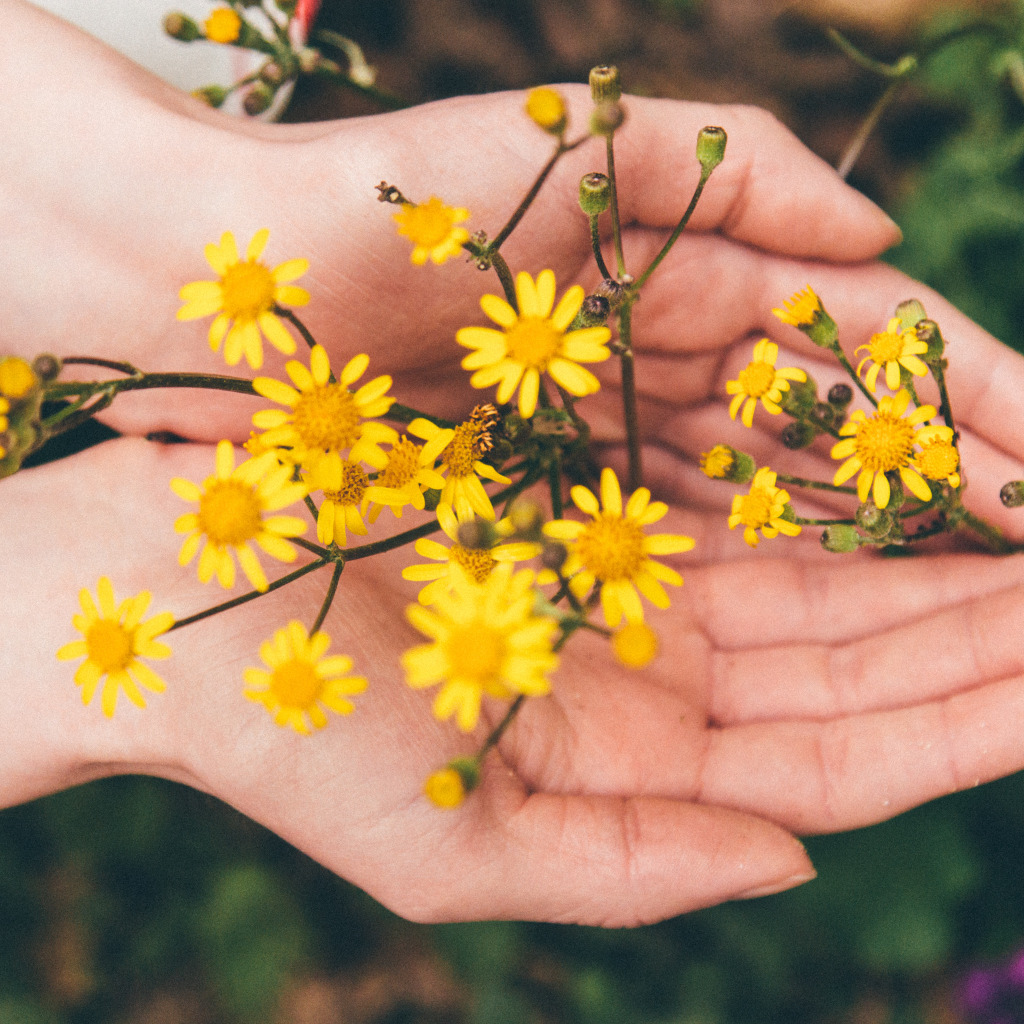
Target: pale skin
x,y
797,692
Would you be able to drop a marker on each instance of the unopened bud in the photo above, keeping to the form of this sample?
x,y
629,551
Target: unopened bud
x,y
1012,494
594,312
553,555
273,74
840,538
477,534
605,84
46,367
876,522
928,332
911,313
211,95
840,396
723,462
181,27
447,788
595,193
526,518
798,434
801,397
309,59
546,108
611,290
258,99
607,118
711,147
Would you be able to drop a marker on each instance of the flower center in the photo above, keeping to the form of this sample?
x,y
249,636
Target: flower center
x,y
326,418
109,645
532,341
884,442
353,485
476,653
248,290
229,512
612,548
938,460
295,683
477,562
402,466
429,224
886,347
463,450
756,509
757,379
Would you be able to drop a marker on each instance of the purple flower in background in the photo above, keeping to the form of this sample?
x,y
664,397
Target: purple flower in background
x,y
994,995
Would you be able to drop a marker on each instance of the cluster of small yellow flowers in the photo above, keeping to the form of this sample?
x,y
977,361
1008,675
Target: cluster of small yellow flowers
x,y
883,443
612,549
764,508
246,297
303,681
433,229
533,341
114,638
891,349
232,514
760,380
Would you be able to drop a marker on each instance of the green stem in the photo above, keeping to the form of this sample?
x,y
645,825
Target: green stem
x,y
332,589
848,366
857,143
499,730
800,520
620,262
813,485
406,414
143,381
990,534
595,242
505,276
629,403
937,367
292,318
555,484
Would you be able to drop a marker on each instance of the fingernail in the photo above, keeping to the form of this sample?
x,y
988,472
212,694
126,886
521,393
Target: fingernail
x,y
773,887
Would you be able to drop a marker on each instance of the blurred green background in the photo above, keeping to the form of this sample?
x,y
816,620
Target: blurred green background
x,y
136,900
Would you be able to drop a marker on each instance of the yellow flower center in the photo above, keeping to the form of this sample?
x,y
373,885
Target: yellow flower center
x,y
445,788
885,347
612,548
229,513
884,442
756,508
353,485
938,460
476,653
477,562
17,378
247,289
428,224
295,683
717,462
109,645
326,418
532,341
223,25
545,107
402,466
757,379
463,449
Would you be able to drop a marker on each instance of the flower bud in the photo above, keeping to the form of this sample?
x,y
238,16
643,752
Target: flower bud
x,y
611,290
877,523
309,59
273,74
181,27
711,147
447,788
17,378
801,397
527,518
840,396
607,118
594,311
798,434
595,193
1012,494
840,538
546,109
911,313
553,555
605,85
723,462
258,99
211,95
928,332
476,534
46,367
635,645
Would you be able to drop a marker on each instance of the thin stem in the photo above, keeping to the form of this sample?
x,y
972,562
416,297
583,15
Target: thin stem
x,y
814,485
555,484
629,403
505,276
595,242
325,606
705,173
109,364
290,316
848,366
620,262
937,367
990,534
499,730
143,381
825,522
406,414
857,143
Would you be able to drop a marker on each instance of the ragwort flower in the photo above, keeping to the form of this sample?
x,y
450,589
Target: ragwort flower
x,y
485,639
223,25
613,549
891,349
343,484
232,514
882,443
762,509
938,458
244,297
432,229
406,473
761,380
533,341
302,681
801,309
115,637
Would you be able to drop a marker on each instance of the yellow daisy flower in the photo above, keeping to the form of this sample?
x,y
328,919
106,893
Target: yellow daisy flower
x,y
762,509
938,458
17,378
892,348
445,788
761,380
546,108
882,443
324,415
232,513
344,484
717,462
302,682
407,472
244,297
115,637
476,563
613,549
461,459
223,25
431,227
533,341
485,639
800,309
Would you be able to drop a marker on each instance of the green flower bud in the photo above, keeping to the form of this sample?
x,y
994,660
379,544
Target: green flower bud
x,y
605,86
840,538
928,332
911,313
877,523
181,27
607,118
798,434
595,193
723,462
801,397
46,367
212,95
1012,494
593,313
258,99
711,147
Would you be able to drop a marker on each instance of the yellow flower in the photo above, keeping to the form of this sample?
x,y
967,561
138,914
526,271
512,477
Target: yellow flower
x,y
223,25
302,682
343,483
115,638
613,549
245,298
882,443
5,407
717,462
232,513
461,459
485,639
546,108
533,341
801,309
17,378
892,348
476,563
760,380
635,644
431,227
762,509
407,472
325,416
445,788
938,458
